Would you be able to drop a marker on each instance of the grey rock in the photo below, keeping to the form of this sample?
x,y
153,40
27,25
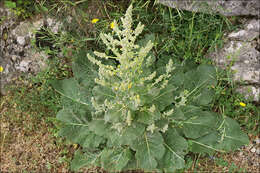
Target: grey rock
x,y
258,151
253,150
14,58
250,92
253,25
16,53
224,7
54,25
21,40
243,58
241,53
22,30
250,32
243,34
23,66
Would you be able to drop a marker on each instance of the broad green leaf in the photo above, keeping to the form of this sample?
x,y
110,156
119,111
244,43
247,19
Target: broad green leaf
x,y
149,148
204,97
191,79
84,71
131,165
81,135
178,114
234,137
70,117
115,159
200,125
176,148
186,112
229,137
146,39
79,160
176,142
177,79
145,160
188,65
92,141
203,76
82,111
165,98
206,144
72,90
99,127
86,160
75,134
148,117
207,74
161,123
102,93
114,115
128,135
76,129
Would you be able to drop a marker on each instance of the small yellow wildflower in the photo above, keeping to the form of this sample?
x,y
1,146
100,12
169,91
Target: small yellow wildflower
x,y
1,69
75,146
242,104
129,85
112,25
94,21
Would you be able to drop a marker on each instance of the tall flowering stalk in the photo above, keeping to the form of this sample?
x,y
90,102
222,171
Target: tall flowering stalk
x,y
132,73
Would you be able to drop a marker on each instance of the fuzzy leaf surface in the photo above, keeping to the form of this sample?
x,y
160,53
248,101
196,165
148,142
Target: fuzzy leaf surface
x,y
128,136
115,159
176,148
84,71
85,160
76,129
99,127
229,137
72,90
102,93
149,148
200,125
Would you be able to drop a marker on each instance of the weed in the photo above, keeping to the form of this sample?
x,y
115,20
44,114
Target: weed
x,y
133,111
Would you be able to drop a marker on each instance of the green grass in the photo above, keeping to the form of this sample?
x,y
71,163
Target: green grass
x,y
186,36
183,35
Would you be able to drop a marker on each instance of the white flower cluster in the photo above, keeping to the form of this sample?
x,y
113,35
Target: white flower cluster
x,y
125,79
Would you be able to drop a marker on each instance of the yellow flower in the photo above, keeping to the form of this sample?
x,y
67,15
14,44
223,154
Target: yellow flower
x,y
1,69
242,104
94,20
112,25
129,85
75,146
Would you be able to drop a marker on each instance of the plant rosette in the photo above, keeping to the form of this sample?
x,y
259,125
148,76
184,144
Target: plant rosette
x,y
128,110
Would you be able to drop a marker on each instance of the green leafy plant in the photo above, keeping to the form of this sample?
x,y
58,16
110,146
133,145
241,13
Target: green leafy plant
x,y
25,8
129,110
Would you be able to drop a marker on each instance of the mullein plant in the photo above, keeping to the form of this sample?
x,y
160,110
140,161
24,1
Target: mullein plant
x,y
128,111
